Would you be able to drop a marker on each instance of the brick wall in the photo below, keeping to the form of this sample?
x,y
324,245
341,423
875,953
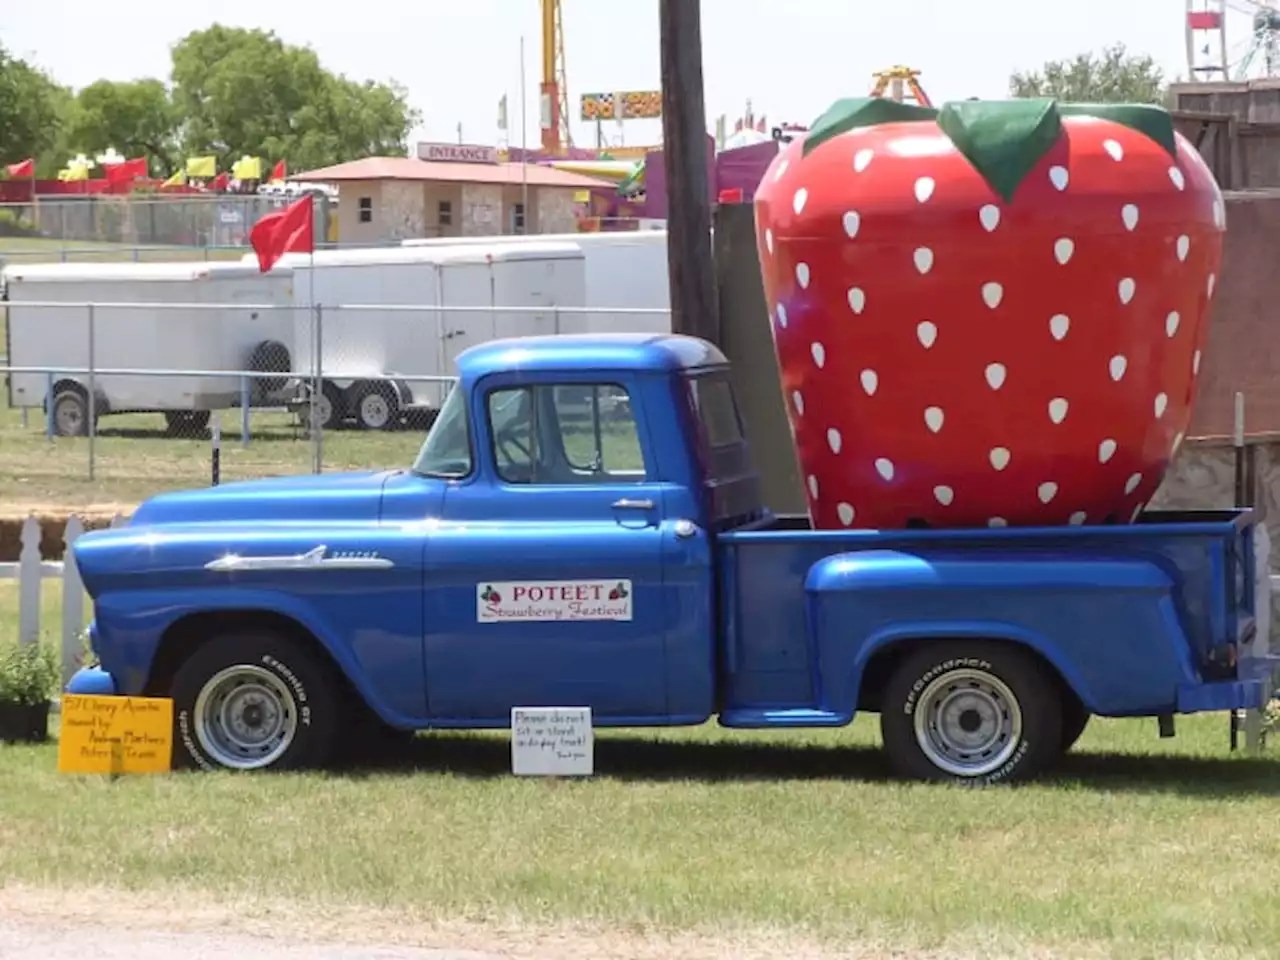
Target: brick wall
x,y
482,210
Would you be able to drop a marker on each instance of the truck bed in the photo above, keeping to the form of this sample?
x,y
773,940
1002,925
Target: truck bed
x,y
802,611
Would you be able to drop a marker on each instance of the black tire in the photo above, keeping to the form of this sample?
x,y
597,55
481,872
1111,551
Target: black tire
x,y
332,410
186,423
1075,718
381,399
1008,683
70,410
365,739
308,683
269,356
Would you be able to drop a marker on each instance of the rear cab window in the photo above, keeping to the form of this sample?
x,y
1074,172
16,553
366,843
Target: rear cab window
x,y
729,479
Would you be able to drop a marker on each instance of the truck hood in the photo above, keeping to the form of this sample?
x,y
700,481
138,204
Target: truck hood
x,y
328,497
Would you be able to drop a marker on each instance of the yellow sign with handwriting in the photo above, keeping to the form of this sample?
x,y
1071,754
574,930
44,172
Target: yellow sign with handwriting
x,y
115,735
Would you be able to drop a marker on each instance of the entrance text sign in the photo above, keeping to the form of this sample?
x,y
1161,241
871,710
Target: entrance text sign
x,y
552,742
115,735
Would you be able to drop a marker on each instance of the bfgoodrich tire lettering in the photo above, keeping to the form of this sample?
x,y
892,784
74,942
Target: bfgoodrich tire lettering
x,y
292,691
975,713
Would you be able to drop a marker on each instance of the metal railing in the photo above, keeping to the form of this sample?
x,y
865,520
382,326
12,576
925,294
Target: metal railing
x,y
333,350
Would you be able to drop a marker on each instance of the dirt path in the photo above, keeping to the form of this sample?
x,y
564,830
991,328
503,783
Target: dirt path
x,y
41,924
38,942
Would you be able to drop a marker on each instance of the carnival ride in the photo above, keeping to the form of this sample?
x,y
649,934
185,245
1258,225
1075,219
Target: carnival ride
x,y
1210,56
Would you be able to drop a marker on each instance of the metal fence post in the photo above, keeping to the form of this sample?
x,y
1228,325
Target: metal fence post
x,y
244,411
48,406
317,391
93,395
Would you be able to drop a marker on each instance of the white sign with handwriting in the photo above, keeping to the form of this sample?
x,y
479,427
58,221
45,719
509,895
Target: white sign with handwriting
x,y
552,742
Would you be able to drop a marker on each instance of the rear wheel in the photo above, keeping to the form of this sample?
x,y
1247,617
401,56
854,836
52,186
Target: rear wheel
x,y
254,701
376,407
70,411
1075,718
971,712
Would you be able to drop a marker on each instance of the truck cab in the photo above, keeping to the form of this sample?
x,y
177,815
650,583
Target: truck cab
x,y
583,526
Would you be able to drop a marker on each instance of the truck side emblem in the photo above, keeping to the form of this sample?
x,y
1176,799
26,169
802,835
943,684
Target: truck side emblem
x,y
314,559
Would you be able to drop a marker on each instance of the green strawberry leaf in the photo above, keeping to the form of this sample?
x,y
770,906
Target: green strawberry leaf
x,y
852,113
1003,139
1145,118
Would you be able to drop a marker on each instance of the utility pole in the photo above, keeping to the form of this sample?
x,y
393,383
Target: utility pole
x,y
690,263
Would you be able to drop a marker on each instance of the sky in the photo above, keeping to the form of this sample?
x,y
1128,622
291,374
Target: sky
x,y
790,58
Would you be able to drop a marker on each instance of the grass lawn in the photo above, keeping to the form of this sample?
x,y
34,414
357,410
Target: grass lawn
x,y
1138,847
42,250
135,458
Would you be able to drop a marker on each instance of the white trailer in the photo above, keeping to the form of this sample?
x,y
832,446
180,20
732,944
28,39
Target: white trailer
x,y
247,325
625,269
359,342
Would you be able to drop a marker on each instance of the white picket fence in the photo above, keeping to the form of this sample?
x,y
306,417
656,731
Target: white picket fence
x,y
31,571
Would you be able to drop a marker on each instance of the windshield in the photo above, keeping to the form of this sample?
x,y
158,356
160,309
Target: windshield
x,y
447,450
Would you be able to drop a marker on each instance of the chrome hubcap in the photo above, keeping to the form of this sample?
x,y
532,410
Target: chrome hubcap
x,y
323,410
69,416
245,717
968,723
374,410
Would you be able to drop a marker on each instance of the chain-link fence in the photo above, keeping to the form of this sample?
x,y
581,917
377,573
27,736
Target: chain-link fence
x,y
223,220
113,402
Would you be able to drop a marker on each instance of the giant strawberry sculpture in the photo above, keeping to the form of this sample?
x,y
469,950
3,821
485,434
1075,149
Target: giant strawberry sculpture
x,y
989,313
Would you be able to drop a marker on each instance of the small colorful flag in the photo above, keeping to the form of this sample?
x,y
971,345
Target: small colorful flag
x,y
247,168
24,168
202,167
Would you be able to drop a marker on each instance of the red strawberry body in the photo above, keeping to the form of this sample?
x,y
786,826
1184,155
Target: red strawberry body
x,y
960,357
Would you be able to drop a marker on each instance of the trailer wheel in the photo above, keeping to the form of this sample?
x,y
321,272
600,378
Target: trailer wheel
x,y
376,406
270,356
254,701
971,712
70,410
186,422
330,407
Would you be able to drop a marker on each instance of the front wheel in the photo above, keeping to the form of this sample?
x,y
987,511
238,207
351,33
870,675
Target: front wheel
x,y
974,713
254,701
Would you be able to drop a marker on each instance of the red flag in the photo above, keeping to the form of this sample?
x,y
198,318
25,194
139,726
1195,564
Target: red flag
x,y
291,230
278,173
220,183
27,168
128,170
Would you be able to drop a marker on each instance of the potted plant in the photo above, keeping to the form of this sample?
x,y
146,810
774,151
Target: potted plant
x,y
28,682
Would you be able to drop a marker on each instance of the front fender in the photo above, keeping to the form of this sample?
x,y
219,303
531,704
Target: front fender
x,y
1108,626
130,626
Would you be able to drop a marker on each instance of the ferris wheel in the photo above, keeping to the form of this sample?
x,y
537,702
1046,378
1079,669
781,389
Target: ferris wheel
x,y
1212,56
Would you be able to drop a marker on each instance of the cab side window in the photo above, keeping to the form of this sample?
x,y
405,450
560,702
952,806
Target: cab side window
x,y
557,434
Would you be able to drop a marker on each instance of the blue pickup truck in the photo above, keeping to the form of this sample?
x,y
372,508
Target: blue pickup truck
x,y
583,527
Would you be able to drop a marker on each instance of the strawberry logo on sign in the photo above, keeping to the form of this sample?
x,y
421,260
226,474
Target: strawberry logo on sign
x,y
990,313
490,595
619,592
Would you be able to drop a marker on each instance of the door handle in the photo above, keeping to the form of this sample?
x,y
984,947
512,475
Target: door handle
x,y
628,504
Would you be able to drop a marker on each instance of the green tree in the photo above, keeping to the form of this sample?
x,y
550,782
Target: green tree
x,y
32,109
247,92
1114,76
136,118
